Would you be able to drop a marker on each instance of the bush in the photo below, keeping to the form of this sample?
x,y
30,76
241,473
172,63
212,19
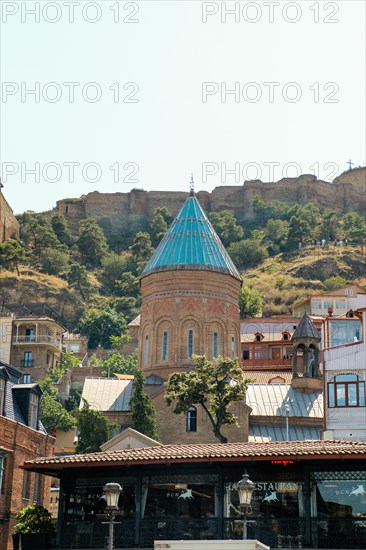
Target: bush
x,y
33,519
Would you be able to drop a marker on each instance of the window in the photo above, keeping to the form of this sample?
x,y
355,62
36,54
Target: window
x,y
48,358
146,353
232,347
340,304
215,345
346,390
26,378
33,411
26,485
317,304
327,304
2,395
3,462
27,359
37,488
246,354
191,420
165,346
190,343
286,336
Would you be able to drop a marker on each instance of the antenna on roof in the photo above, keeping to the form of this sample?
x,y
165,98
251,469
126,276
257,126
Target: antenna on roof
x,y
191,187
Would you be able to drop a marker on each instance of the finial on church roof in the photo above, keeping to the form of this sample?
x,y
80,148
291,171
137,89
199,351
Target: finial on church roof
x,y
191,187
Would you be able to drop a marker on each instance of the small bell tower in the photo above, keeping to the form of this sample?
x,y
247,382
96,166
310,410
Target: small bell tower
x,y
306,374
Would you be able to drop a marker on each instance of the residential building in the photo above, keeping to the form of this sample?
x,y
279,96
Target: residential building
x,y
75,343
307,494
22,437
345,378
36,339
336,302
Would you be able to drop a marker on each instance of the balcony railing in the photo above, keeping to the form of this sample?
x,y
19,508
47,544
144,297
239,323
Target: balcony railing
x,y
40,339
267,362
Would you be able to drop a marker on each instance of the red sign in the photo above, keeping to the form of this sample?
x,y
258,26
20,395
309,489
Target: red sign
x,y
283,462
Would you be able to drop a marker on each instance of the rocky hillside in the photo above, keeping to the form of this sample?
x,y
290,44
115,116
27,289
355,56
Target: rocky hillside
x,y
284,281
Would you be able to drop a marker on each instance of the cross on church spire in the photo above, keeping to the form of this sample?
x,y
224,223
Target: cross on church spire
x,y
191,187
350,163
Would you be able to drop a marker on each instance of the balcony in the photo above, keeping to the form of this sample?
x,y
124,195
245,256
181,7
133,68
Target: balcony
x,y
247,363
41,339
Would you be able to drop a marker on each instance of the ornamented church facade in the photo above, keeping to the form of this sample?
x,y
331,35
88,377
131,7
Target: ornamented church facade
x,y
190,290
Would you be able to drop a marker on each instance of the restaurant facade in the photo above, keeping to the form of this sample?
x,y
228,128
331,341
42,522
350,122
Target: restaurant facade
x,y
307,493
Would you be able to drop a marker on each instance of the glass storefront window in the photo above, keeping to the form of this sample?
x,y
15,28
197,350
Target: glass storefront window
x,y
340,498
178,500
270,499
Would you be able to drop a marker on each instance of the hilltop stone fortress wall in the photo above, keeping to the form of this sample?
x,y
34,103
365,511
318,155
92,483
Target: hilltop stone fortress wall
x,y
126,213
9,226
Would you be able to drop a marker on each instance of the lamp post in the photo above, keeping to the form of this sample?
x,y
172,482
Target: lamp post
x,y
112,492
245,490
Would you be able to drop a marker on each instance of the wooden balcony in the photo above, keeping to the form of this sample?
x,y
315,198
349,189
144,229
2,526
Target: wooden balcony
x,y
266,363
41,339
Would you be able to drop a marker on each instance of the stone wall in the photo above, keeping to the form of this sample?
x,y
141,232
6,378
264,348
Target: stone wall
x,y
123,214
9,226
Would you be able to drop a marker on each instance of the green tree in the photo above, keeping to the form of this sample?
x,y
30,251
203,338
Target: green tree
x,y
100,325
61,229
166,213
247,253
12,253
117,363
215,386
276,232
226,226
42,237
158,228
260,209
142,410
54,415
335,282
250,303
54,261
91,242
33,519
115,265
77,278
142,250
94,429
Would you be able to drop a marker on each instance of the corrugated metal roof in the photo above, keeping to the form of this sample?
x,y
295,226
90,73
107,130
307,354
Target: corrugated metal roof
x,y
273,399
191,243
260,433
107,394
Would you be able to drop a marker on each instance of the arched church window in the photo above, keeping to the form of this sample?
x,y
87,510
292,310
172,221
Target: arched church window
x,y
232,347
146,352
190,343
164,354
215,345
191,425
346,390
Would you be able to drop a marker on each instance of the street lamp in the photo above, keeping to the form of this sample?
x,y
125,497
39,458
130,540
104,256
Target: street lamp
x,y
245,490
112,492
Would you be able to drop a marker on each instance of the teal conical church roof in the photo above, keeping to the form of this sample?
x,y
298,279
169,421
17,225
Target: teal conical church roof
x,y
191,243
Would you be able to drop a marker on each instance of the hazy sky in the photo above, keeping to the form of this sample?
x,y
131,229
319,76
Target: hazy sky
x,y
137,94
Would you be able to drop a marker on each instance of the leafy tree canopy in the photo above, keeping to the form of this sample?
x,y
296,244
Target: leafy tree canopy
x,y
226,226
61,229
100,325
215,386
77,278
94,429
142,250
91,242
250,303
12,253
247,253
33,519
54,261
142,409
117,363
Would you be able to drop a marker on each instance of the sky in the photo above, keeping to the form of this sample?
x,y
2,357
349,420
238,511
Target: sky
x,y
113,95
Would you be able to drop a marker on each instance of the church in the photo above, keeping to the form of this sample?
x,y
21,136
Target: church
x,y
190,289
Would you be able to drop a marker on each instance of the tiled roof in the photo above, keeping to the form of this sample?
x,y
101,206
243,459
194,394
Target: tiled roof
x,y
266,377
306,329
107,394
275,399
214,452
267,337
191,243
